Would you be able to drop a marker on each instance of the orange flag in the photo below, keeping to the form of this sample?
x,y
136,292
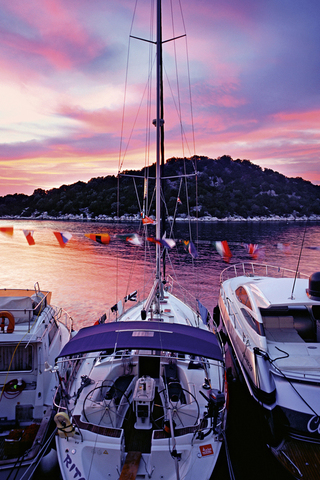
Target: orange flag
x,y
7,230
147,220
103,238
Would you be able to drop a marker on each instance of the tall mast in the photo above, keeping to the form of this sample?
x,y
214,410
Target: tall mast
x,y
159,127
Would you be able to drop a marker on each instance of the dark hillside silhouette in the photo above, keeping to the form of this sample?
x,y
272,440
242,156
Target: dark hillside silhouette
x,y
225,187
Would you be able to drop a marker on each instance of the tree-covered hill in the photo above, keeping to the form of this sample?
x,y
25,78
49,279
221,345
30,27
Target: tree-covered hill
x,y
224,187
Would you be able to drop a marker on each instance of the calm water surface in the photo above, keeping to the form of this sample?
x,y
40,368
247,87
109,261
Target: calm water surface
x,y
87,278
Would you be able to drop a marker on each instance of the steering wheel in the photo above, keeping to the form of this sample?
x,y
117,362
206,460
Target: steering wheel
x,y
183,404
106,405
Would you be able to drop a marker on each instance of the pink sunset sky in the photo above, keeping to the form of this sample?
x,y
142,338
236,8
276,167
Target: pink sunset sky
x,y
254,74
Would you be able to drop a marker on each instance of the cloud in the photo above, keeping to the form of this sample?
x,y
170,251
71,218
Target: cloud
x,y
254,80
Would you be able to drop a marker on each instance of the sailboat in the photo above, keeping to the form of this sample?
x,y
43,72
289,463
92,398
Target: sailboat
x,y
143,396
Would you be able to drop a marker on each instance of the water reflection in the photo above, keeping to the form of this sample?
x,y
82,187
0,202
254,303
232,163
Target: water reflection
x,y
87,278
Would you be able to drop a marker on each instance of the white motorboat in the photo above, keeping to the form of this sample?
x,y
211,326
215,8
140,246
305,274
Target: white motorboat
x,y
271,318
32,332
144,395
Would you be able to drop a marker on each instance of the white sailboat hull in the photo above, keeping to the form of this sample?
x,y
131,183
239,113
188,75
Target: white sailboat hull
x,y
107,426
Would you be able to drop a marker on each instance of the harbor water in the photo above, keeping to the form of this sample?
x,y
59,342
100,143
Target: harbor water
x,y
87,279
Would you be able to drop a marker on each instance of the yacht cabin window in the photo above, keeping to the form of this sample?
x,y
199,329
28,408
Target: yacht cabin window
x,y
17,359
243,297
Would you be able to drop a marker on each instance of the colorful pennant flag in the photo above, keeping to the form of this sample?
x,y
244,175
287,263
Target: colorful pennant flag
x,y
101,319
203,312
132,297
103,238
223,250
7,230
154,240
114,308
147,220
118,307
29,236
134,239
190,248
63,238
168,242
165,242
252,249
285,248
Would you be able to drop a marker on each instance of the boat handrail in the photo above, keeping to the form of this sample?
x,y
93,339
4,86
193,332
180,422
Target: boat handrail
x,y
64,318
47,316
251,269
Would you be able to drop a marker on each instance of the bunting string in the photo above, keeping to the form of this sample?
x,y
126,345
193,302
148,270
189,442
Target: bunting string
x,y
222,247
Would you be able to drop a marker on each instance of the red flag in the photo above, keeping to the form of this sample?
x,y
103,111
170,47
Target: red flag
x,y
154,240
62,237
224,250
29,236
252,249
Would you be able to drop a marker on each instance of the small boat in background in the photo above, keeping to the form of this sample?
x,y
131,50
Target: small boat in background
x,y
32,332
271,320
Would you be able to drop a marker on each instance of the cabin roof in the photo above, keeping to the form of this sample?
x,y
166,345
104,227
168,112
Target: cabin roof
x,y
270,291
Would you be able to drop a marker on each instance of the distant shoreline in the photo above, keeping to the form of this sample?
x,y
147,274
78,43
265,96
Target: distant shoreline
x,y
136,218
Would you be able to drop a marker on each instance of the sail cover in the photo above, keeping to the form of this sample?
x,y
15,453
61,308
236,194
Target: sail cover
x,y
143,335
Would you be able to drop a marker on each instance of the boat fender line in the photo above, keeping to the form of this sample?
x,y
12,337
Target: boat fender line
x,y
10,328
64,426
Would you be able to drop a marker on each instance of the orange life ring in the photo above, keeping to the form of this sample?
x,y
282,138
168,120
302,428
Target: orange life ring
x,y
10,328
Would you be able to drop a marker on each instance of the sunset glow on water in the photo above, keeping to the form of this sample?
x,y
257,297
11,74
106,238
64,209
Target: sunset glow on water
x,y
87,279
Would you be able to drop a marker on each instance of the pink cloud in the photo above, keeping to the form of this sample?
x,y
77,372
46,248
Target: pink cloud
x,y
50,32
102,120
